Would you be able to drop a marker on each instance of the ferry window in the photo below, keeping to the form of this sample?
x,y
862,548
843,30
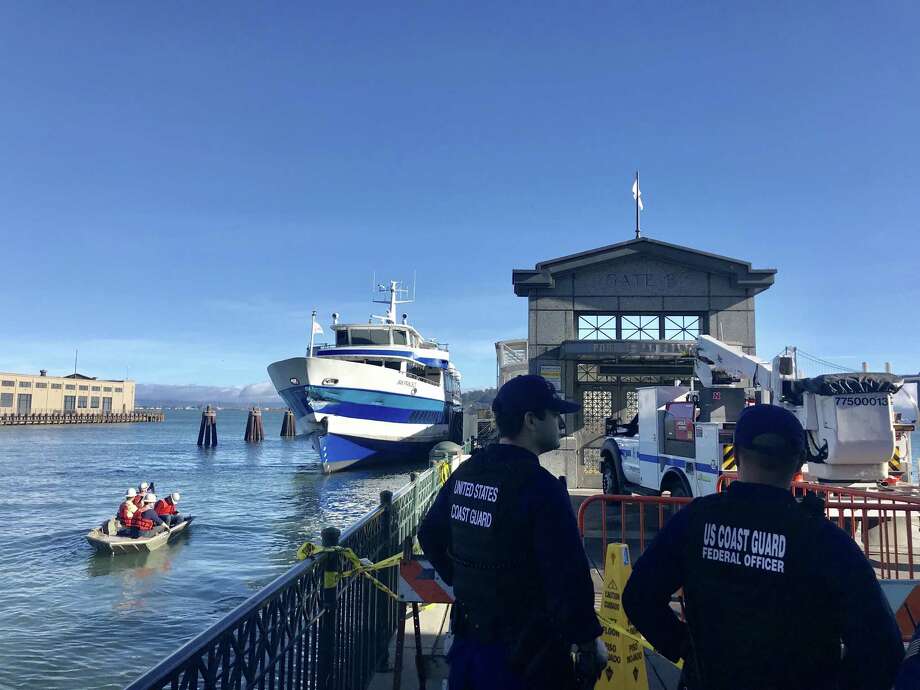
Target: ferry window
x,y
81,401
395,366
41,385
94,401
6,383
380,336
55,386
70,403
25,384
400,337
6,399
341,337
360,336
433,375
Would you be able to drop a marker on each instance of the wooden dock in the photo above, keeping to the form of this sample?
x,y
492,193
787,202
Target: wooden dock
x,y
82,417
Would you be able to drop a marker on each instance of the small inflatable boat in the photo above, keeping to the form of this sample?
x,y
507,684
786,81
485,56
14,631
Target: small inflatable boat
x,y
104,543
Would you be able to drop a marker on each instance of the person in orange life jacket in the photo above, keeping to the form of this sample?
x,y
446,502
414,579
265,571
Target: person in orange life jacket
x,y
146,520
503,534
126,517
772,587
166,509
140,493
130,495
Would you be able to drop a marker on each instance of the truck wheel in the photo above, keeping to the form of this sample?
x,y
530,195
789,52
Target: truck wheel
x,y
677,486
610,475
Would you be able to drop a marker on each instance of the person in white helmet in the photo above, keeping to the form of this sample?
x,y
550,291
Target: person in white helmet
x,y
167,510
123,518
146,520
142,490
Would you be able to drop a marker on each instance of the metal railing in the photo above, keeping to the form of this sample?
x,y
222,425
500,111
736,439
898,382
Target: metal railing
x,y
296,633
885,524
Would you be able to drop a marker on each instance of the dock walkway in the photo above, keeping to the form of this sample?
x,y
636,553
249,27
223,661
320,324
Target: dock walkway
x,y
436,638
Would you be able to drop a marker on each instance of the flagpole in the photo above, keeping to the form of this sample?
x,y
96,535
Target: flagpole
x,y
312,333
638,190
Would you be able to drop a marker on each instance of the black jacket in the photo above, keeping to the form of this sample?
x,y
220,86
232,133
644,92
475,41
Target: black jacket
x,y
772,588
545,531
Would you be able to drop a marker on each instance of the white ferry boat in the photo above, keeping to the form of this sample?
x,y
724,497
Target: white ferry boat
x,y
381,393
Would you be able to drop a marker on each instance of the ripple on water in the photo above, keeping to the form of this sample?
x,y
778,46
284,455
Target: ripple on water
x,y
66,611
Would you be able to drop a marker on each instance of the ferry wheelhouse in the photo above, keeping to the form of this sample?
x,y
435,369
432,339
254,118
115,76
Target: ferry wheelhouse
x,y
380,393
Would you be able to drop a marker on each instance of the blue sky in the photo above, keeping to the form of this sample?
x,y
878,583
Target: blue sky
x,y
181,183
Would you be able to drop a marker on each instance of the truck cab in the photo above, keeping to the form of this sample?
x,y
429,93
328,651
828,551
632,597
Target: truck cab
x,y
679,444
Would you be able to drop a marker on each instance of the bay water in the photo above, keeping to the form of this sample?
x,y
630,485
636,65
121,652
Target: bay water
x,y
71,618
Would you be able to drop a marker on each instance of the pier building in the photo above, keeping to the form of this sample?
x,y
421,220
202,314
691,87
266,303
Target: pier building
x,y
25,394
603,322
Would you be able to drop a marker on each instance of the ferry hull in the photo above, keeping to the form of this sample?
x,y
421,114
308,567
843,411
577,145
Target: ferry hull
x,y
362,418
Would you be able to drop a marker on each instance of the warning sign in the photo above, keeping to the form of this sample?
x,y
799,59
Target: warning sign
x,y
626,667
419,582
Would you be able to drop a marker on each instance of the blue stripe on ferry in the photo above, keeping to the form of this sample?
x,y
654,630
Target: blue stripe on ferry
x,y
430,361
678,462
363,404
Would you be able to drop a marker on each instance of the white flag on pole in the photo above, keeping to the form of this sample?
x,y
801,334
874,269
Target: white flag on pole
x,y
317,329
637,194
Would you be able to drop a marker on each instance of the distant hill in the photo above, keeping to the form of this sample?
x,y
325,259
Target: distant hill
x,y
484,396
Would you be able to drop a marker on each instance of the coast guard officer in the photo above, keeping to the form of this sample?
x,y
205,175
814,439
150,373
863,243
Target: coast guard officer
x,y
503,534
772,587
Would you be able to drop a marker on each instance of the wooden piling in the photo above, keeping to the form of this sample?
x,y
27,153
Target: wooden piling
x,y
288,425
255,433
207,432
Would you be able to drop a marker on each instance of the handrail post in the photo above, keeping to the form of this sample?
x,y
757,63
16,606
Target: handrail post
x,y
328,623
385,607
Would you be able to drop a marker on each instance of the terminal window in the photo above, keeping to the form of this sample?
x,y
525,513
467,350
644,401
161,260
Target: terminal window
x,y
118,390
9,384
55,386
597,327
81,401
95,388
69,387
25,384
84,388
41,385
70,403
681,327
94,402
106,390
641,327
6,399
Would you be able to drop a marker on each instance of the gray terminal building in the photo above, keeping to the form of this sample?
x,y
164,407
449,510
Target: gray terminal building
x,y
604,322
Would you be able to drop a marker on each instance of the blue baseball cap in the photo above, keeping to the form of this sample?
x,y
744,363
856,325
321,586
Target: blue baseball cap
x,y
530,393
771,430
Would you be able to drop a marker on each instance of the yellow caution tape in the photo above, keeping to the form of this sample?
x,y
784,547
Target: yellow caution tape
x,y
728,456
607,622
331,577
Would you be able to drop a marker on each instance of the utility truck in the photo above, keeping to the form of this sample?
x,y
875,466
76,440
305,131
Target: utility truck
x,y
681,440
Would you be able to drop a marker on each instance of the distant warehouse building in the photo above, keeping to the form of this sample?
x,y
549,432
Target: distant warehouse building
x,y
27,393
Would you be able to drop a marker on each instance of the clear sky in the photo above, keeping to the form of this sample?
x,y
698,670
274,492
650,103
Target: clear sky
x,y
181,183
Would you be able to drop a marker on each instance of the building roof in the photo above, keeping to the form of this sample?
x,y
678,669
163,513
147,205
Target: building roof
x,y
740,272
80,376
